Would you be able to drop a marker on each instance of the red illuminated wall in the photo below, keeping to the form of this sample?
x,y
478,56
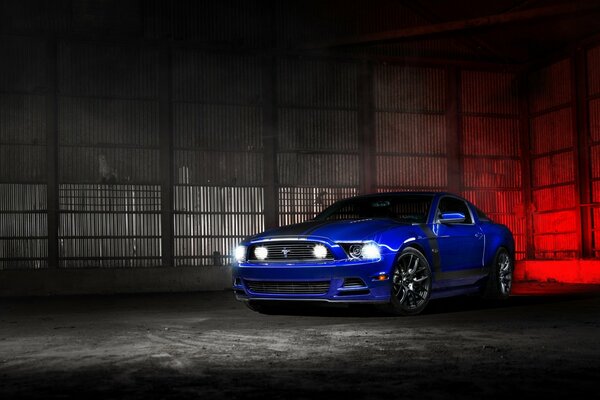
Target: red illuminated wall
x,y
490,148
593,105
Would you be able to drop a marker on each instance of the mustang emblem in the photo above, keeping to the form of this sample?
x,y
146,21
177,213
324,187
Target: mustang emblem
x,y
285,252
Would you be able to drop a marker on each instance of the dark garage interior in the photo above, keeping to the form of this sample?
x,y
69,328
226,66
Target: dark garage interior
x,y
140,141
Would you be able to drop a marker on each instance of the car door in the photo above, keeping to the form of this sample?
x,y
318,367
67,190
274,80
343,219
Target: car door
x,y
460,245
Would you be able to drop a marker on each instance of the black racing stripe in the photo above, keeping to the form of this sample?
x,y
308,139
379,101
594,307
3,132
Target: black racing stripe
x,y
435,249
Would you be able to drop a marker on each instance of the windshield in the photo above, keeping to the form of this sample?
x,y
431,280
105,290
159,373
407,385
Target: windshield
x,y
405,208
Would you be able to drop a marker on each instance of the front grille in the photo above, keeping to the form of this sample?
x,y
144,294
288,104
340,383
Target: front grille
x,y
312,287
289,251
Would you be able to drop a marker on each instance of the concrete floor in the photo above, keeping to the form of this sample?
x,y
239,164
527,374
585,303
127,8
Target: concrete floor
x,y
206,345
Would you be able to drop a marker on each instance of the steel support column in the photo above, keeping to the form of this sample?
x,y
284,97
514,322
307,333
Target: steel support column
x,y
453,126
269,89
582,149
524,134
165,118
52,190
366,124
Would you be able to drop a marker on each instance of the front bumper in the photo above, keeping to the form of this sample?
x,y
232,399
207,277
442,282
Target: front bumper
x,y
335,272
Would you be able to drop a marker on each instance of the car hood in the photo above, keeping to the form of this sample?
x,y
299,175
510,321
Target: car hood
x,y
363,229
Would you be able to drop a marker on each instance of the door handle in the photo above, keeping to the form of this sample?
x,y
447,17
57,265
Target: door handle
x,y
479,235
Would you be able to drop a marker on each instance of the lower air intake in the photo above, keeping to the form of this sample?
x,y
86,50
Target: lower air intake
x,y
312,287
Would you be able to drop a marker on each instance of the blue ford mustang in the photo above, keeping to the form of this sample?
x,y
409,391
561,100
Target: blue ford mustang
x,y
396,249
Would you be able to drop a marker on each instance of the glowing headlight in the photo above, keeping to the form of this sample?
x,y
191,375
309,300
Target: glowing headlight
x,y
261,253
320,251
370,251
240,253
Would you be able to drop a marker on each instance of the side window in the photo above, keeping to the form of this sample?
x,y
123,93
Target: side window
x,y
481,215
451,204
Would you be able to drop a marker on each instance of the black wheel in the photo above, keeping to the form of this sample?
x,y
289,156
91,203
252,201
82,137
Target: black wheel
x,y
411,283
500,277
261,307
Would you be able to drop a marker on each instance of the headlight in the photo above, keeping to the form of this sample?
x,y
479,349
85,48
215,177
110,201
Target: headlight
x,y
363,251
370,251
240,253
261,253
320,251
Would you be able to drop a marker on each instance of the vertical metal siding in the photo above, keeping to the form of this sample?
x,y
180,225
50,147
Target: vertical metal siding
x,y
553,169
316,169
107,71
594,114
593,68
109,225
220,127
313,129
491,173
552,131
555,198
489,93
550,87
411,171
23,67
410,89
210,221
218,168
317,83
23,226
493,201
22,119
35,16
298,204
216,78
410,133
486,136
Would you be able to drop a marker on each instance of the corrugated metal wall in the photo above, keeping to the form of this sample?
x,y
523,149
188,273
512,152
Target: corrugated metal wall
x,y
410,128
109,193
490,150
218,154
593,104
318,144
23,220
552,162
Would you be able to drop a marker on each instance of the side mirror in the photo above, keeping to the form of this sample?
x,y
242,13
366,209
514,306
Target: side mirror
x,y
452,218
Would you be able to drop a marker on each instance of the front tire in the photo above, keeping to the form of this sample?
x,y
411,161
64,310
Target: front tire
x,y
500,278
411,283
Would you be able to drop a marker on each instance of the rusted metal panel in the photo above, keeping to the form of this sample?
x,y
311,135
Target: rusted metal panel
x,y
553,169
554,234
23,226
491,173
411,171
410,133
108,165
485,136
489,93
555,198
593,71
218,168
552,131
409,89
216,78
318,169
555,222
313,129
299,204
218,127
210,221
317,83
105,225
594,114
23,65
98,122
550,87
107,71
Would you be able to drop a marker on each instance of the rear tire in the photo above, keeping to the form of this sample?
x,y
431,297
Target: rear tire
x,y
499,283
411,283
